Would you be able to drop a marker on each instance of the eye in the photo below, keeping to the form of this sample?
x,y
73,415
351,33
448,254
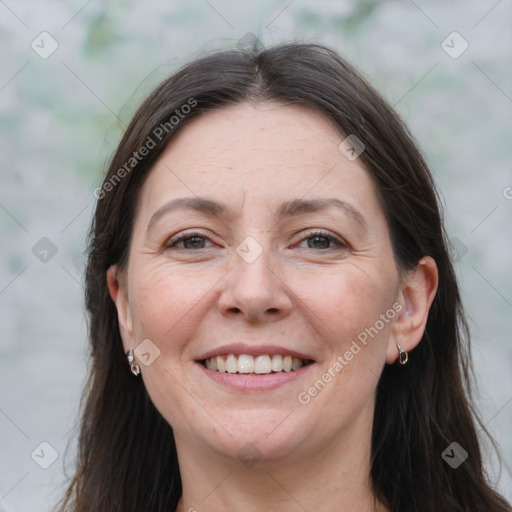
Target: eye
x,y
190,240
323,240
316,240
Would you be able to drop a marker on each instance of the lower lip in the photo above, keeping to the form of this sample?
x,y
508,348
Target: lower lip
x,y
265,382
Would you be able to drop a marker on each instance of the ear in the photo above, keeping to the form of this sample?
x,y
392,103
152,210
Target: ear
x,y
417,293
116,281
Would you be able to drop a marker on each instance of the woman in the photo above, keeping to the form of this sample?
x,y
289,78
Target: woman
x,y
275,322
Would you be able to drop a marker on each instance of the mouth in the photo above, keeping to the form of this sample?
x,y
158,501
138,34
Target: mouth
x,y
247,364
254,368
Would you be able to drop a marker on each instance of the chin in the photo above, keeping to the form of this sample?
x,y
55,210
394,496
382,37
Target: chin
x,y
278,436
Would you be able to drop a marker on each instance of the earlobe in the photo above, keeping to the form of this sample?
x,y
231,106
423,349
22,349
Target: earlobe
x,y
417,293
119,294
112,283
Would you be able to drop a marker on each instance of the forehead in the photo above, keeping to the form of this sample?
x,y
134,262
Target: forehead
x,y
263,151
281,132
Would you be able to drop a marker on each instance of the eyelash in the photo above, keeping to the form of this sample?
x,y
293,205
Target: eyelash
x,y
309,235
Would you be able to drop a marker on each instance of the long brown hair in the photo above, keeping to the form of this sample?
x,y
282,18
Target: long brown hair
x,y
126,459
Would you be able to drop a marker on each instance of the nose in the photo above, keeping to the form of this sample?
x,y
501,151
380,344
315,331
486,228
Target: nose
x,y
256,290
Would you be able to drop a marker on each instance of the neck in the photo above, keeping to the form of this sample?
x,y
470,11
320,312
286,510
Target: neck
x,y
332,477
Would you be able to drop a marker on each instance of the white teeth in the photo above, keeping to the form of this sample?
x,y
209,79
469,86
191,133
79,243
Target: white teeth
x,y
277,363
262,364
231,364
296,364
245,364
248,364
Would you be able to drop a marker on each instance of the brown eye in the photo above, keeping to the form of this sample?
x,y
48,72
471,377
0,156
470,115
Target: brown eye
x,y
319,242
323,241
192,241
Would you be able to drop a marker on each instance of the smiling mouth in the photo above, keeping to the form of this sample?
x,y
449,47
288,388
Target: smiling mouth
x,y
245,364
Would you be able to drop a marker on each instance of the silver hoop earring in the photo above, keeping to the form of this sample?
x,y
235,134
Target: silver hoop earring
x,y
135,369
403,356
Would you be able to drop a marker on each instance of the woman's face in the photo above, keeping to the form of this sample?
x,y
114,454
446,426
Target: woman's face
x,y
285,259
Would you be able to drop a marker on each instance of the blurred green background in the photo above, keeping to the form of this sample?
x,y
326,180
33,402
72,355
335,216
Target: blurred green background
x,y
72,73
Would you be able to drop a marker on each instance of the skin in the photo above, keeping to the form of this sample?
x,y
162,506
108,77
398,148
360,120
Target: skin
x,y
302,293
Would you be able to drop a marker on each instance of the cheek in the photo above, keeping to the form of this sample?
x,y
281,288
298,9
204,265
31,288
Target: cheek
x,y
166,301
350,301
159,301
166,304
358,309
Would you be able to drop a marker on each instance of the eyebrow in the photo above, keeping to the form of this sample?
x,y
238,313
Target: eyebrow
x,y
291,208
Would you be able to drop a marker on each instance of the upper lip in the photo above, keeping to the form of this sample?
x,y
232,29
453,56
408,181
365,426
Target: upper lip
x,y
253,350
